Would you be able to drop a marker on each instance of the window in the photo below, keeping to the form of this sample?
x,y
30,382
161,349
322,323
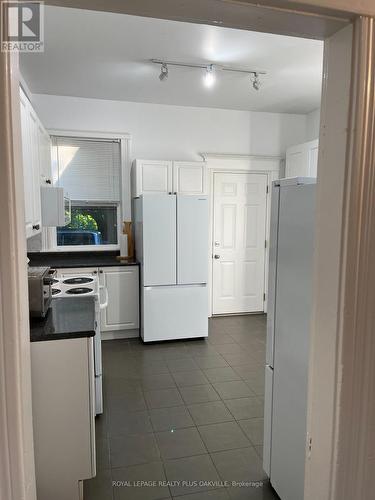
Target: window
x,y
89,171
90,225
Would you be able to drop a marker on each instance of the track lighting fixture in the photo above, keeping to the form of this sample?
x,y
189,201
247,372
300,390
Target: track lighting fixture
x,y
255,80
210,71
209,77
163,72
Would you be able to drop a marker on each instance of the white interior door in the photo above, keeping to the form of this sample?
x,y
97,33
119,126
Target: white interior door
x,y
239,227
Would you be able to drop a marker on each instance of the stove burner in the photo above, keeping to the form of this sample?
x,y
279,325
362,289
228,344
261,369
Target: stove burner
x,y
55,291
78,281
53,282
79,290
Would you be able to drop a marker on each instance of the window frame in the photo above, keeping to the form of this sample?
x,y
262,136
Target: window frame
x,y
123,208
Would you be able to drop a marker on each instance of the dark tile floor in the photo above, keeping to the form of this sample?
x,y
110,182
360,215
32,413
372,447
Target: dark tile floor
x,y
186,417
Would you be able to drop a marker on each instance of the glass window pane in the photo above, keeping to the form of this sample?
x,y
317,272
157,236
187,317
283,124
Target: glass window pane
x,y
90,225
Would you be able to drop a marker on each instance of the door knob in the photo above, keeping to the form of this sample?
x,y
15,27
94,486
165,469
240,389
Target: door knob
x,y
216,256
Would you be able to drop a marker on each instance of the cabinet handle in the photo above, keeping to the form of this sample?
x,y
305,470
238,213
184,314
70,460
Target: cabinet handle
x,y
48,181
101,271
95,272
36,227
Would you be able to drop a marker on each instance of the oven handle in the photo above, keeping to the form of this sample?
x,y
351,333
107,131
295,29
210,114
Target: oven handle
x,y
105,303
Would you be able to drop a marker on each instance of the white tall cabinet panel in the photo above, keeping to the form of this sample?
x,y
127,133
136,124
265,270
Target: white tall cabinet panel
x,y
122,284
151,176
190,177
192,239
157,216
27,165
302,160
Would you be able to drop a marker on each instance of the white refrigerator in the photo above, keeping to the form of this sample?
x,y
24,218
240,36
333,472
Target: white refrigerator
x,y
171,238
288,334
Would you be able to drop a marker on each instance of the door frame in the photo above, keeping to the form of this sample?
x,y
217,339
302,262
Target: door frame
x,y
353,238
239,164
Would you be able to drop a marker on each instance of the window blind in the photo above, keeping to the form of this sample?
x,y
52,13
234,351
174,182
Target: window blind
x,y
88,169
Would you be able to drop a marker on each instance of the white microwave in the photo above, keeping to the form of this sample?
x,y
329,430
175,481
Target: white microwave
x,y
55,206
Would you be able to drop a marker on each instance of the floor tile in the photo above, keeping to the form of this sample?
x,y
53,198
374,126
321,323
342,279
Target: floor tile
x,y
223,436
193,474
210,413
253,428
99,487
121,422
186,379
259,450
180,443
210,362
229,348
243,408
151,381
239,465
102,453
135,401
163,398
219,338
164,419
120,387
233,389
126,480
221,374
133,450
181,365
199,394
256,384
238,359
247,372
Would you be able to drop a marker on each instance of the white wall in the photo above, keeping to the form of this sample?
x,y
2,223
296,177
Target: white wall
x,y
312,125
175,132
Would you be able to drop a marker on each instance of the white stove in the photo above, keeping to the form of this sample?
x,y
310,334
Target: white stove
x,y
70,285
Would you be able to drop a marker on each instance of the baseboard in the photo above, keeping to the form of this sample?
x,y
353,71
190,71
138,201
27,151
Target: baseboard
x,y
120,334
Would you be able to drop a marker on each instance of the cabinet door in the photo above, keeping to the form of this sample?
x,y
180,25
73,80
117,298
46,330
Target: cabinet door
x,y
122,312
45,169
35,161
313,158
189,177
27,164
151,177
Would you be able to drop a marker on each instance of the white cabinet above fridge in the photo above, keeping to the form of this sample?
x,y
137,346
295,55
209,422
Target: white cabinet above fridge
x,y
157,177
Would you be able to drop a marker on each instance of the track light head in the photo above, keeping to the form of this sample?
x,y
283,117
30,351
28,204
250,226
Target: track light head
x,y
163,72
255,80
210,77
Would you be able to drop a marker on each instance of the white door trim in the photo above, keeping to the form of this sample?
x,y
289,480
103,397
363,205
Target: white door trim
x,y
17,474
232,164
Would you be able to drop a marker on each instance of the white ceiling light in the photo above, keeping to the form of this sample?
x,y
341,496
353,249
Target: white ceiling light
x,y
255,80
163,72
210,73
210,77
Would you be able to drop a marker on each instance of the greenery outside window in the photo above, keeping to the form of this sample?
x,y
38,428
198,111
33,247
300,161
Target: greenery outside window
x,y
91,224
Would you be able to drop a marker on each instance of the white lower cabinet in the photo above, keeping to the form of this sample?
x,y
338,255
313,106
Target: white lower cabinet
x,y
122,285
62,379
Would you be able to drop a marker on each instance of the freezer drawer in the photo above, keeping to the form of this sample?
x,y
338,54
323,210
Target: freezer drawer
x,y
174,312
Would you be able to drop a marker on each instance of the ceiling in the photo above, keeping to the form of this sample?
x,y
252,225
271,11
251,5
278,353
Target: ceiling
x,y
106,56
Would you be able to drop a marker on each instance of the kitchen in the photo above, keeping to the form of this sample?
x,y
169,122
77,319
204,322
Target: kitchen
x,y
200,388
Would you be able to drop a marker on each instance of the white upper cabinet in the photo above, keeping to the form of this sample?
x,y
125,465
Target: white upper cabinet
x,y
189,177
36,159
302,160
151,176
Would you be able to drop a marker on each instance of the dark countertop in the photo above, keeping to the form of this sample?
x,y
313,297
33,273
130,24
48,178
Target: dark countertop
x,y
67,318
77,259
